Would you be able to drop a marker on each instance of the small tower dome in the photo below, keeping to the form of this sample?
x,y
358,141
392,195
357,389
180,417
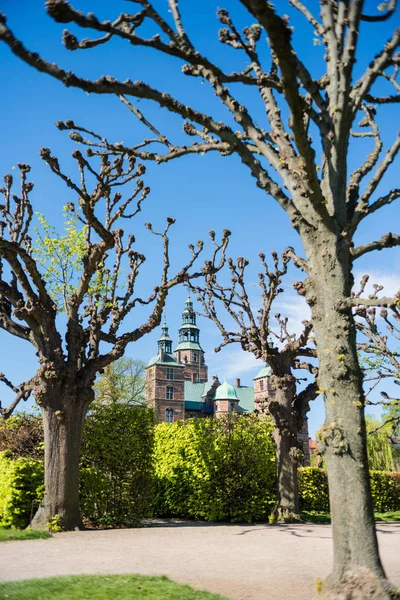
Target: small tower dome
x,y
226,400
225,391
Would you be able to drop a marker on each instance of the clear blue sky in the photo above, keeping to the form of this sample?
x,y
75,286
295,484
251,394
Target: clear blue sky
x,y
201,192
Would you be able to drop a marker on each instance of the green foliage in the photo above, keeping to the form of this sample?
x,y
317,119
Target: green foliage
x,y
21,483
385,488
22,435
215,469
382,455
60,258
122,381
55,524
101,587
11,535
314,494
313,489
117,465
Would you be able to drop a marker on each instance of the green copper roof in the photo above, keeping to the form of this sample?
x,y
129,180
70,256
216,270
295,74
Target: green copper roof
x,y
193,392
188,346
246,399
207,387
189,326
225,391
265,372
167,359
164,334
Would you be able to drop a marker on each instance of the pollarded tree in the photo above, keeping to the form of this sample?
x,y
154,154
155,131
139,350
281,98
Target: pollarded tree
x,y
255,332
302,163
35,284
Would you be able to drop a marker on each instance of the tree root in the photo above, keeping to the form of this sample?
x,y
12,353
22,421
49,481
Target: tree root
x,y
358,585
282,514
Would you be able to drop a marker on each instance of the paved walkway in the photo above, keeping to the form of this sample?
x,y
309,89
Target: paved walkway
x,y
242,562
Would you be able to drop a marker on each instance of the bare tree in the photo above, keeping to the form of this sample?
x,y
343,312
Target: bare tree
x,y
379,347
254,331
96,307
302,164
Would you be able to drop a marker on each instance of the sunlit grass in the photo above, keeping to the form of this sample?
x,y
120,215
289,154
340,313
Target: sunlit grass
x,y
101,587
9,535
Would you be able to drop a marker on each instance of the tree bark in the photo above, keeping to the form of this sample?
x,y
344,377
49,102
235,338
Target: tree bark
x,y
357,569
284,417
63,421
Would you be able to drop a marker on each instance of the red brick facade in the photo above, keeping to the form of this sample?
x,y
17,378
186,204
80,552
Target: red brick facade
x,y
225,407
163,393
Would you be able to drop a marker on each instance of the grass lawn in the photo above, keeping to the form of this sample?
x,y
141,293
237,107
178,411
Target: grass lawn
x,y
315,517
8,535
101,587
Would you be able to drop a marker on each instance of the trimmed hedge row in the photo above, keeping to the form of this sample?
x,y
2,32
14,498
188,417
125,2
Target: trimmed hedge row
x,y
116,476
215,469
210,469
314,491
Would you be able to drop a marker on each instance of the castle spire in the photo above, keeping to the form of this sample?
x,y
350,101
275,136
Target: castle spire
x,y
164,341
188,351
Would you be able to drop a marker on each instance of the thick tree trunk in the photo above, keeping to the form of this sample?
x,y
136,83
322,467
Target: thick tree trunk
x,y
63,421
287,450
357,570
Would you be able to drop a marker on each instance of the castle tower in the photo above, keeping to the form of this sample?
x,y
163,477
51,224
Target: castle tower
x,y
164,382
189,352
226,401
262,388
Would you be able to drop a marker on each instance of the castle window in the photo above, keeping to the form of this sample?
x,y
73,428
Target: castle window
x,y
261,385
170,393
169,373
169,415
195,357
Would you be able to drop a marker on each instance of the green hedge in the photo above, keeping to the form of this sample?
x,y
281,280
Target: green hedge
x,y
313,489
117,465
215,469
314,492
21,484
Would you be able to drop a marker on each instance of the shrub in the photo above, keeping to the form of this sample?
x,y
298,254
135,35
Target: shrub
x,y
22,435
21,484
314,494
385,488
215,469
117,465
313,489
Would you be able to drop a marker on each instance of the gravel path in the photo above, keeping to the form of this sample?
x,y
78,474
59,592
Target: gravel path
x,y
268,562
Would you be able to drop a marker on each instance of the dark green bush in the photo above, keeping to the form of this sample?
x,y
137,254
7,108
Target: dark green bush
x,y
215,469
117,465
314,494
313,489
21,484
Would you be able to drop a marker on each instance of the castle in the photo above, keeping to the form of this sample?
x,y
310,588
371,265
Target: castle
x,y
178,385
